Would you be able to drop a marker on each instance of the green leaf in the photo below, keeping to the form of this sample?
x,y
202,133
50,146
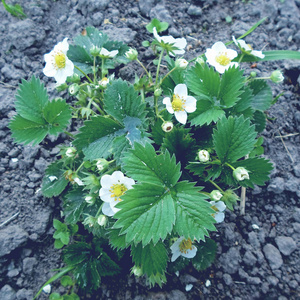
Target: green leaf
x,y
66,281
148,207
205,255
57,114
74,205
144,165
59,225
245,100
259,170
262,95
121,100
272,55
193,212
31,99
160,26
259,120
117,240
65,238
54,181
233,138
58,244
152,259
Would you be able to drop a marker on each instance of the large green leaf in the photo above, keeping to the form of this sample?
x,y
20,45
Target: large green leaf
x,y
205,255
233,138
144,165
193,212
54,181
152,259
147,213
262,95
121,100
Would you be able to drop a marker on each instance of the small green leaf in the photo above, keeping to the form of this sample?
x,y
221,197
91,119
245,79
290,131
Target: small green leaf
x,y
58,225
205,255
233,138
262,95
54,181
160,26
58,244
66,281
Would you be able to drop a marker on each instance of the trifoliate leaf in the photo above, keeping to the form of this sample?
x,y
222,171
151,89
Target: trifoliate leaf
x,y
233,138
147,213
262,95
144,165
121,100
152,259
193,212
259,170
205,255
54,181
160,26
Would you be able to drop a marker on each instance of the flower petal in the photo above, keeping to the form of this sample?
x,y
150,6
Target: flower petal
x,y
181,116
60,76
181,90
155,34
106,209
231,54
175,255
220,205
219,47
258,54
49,71
190,253
106,181
117,177
219,217
167,102
190,104
128,182
105,195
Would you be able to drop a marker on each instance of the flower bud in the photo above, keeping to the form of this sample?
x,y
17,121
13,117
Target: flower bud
x,y
104,82
137,271
101,164
216,195
277,76
253,74
73,89
78,181
90,221
95,51
131,54
181,63
102,220
240,174
167,126
200,61
90,199
70,152
157,92
203,155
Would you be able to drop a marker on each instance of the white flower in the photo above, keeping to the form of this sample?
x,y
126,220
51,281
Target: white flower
x,y
167,126
181,103
104,82
183,247
179,43
247,48
57,63
108,54
216,195
181,63
220,57
203,155
112,188
218,207
70,152
277,76
240,174
131,54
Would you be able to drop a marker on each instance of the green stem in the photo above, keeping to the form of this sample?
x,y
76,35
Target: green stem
x,y
158,67
168,74
144,69
88,78
214,184
142,94
94,69
69,134
98,108
79,167
241,58
230,166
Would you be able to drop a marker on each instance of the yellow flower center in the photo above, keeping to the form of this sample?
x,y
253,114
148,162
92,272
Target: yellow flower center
x,y
185,245
60,60
214,208
223,59
117,190
177,103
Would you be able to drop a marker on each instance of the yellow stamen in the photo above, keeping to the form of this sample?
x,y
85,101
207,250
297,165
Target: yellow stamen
x,y
214,208
185,245
117,190
177,103
223,59
60,60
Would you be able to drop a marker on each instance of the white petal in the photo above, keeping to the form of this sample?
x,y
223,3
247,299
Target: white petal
x,y
48,58
175,246
220,205
155,34
221,69
117,177
181,90
258,54
105,195
231,54
219,47
113,53
168,39
219,217
181,116
64,45
60,76
106,181
235,41
49,71
69,68
167,102
106,209
235,64
104,52
180,43
128,182
243,45
190,104
190,253
175,255
211,57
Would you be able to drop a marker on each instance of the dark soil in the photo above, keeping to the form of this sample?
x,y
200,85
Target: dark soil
x,y
253,262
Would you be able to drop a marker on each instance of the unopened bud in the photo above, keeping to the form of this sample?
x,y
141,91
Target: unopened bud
x,y
70,152
101,164
203,155
181,63
216,195
131,54
137,271
157,92
90,199
89,221
253,74
95,51
200,61
73,89
167,126
240,174
102,220
104,82
277,76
